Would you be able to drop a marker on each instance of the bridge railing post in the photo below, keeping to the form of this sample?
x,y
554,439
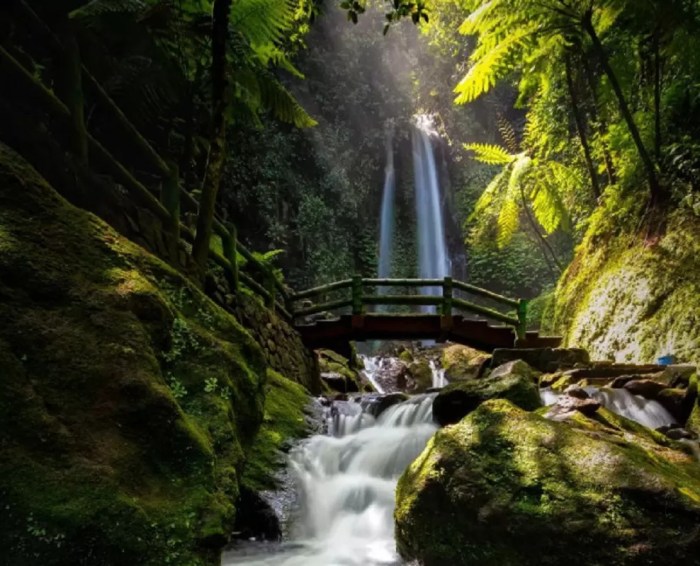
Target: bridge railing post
x,y
522,318
271,290
357,294
446,308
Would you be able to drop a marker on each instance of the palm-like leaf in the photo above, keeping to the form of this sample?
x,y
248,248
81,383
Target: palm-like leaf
x,y
263,22
489,153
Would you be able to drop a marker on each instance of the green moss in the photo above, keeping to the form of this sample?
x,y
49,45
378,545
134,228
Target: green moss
x,y
625,299
461,362
127,399
285,419
507,487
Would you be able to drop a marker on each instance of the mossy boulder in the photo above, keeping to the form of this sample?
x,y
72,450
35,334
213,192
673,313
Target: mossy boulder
x,y
336,372
127,398
630,300
461,362
507,487
513,381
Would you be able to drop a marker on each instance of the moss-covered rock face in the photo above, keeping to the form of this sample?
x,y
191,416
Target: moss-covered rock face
x,y
505,487
513,381
461,362
629,301
127,398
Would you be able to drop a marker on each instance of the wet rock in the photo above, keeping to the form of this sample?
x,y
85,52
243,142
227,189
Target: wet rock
x,y
566,405
647,388
255,518
521,490
513,381
462,363
376,405
621,381
677,433
516,367
542,359
576,391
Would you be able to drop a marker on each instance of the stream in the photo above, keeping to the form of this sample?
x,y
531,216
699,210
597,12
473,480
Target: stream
x,y
345,479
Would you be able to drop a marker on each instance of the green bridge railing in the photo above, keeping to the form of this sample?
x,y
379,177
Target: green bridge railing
x,y
447,304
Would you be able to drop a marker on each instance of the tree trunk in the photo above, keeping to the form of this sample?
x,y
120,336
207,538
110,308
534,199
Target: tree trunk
x,y
657,95
217,147
70,89
581,128
655,191
536,229
602,126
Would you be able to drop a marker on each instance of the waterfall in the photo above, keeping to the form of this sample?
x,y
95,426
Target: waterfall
x,y
347,482
432,249
386,227
439,379
635,407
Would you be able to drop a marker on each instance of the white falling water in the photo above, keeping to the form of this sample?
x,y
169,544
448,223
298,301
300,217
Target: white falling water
x,y
372,367
347,485
439,379
432,249
386,227
648,412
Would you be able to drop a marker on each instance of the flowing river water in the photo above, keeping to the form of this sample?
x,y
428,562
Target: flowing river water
x,y
345,479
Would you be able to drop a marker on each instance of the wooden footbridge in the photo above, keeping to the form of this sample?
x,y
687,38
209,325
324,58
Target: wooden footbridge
x,y
332,315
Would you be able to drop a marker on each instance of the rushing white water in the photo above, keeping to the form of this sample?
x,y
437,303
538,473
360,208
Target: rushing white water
x,y
439,379
648,412
386,226
347,485
372,367
432,249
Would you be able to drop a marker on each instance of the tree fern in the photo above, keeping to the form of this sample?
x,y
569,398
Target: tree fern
x,y
489,153
488,69
282,104
263,22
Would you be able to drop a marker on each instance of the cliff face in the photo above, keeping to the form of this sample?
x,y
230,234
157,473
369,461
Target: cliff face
x,y
630,300
128,400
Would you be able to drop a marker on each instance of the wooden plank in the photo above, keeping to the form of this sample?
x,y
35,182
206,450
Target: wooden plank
x,y
462,286
487,312
426,300
345,283
323,307
402,282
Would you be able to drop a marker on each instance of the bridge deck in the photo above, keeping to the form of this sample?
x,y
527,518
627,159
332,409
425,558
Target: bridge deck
x,y
336,333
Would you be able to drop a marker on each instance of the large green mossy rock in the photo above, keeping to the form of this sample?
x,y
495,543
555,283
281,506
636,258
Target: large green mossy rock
x,y
506,487
514,381
461,362
127,398
633,300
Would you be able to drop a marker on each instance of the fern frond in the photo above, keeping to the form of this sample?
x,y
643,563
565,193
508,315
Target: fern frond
x,y
282,104
547,203
508,221
492,66
488,198
508,134
271,54
263,21
488,153
97,8
478,21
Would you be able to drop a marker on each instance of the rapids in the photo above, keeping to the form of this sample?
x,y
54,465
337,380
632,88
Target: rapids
x,y
346,482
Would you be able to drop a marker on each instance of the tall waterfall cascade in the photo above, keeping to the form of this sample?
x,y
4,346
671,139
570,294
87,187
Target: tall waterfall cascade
x,y
346,483
432,247
433,259
386,227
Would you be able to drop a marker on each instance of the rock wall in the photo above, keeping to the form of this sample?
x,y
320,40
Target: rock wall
x,y
129,401
633,300
281,344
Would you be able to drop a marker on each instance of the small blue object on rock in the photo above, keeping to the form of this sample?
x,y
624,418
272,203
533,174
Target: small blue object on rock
x,y
666,360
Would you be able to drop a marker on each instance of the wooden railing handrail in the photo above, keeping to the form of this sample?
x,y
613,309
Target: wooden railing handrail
x,y
169,214
446,302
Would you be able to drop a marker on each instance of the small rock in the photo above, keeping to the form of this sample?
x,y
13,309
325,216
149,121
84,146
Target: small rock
x,y
647,388
576,391
566,405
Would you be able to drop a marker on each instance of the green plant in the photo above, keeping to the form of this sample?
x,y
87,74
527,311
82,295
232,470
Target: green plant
x,y
211,384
